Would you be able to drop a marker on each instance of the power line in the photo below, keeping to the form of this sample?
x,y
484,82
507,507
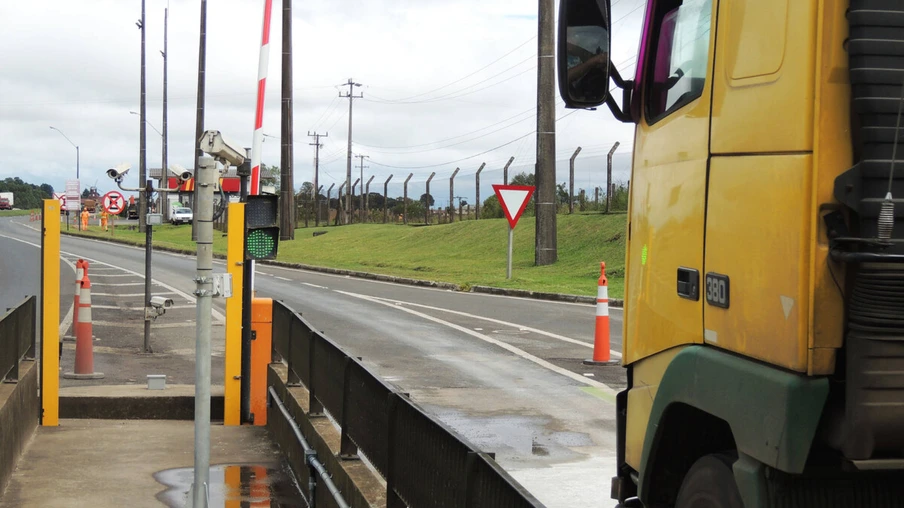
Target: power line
x,y
471,74
470,156
457,93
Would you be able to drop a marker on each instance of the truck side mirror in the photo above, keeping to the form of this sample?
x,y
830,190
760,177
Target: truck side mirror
x,y
583,52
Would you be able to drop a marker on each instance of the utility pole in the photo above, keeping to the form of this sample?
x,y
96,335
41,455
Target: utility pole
x,y
385,195
452,196
477,183
571,181
505,170
164,200
348,191
361,205
546,252
142,150
199,114
459,198
317,146
367,197
287,174
609,176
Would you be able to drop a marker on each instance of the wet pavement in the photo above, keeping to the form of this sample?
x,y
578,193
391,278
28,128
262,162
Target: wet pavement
x,y
141,463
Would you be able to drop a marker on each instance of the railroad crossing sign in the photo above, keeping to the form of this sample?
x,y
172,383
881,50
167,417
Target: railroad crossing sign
x,y
513,198
114,202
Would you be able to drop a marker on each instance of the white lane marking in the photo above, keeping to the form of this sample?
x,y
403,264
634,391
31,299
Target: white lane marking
x,y
93,271
614,353
135,294
309,284
512,349
215,313
423,288
283,278
116,285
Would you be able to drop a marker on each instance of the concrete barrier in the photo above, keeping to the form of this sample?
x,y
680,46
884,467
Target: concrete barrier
x,y
19,410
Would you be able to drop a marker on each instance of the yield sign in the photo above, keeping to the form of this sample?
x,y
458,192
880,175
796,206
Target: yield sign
x,y
513,199
114,202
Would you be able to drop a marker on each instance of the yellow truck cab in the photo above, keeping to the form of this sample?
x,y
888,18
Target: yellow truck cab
x,y
764,305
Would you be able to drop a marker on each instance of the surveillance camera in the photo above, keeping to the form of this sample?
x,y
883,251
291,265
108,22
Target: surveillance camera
x,y
213,143
159,302
119,172
183,174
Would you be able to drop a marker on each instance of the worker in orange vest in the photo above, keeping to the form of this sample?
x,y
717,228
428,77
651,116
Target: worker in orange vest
x,y
85,218
103,219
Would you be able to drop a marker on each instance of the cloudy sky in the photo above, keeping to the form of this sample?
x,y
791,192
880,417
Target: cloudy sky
x,y
446,84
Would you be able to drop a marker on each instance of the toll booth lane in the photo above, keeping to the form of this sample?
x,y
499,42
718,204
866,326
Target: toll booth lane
x,y
117,311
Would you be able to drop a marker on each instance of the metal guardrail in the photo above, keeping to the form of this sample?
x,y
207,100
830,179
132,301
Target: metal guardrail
x,y
424,462
17,337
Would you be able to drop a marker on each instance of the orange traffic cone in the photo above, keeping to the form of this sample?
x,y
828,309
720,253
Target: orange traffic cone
x,y
84,346
601,355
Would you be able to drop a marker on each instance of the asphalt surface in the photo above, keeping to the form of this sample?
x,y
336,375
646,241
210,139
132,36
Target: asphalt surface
x,y
507,373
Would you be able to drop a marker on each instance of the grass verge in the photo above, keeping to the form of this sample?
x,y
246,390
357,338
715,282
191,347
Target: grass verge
x,y
465,253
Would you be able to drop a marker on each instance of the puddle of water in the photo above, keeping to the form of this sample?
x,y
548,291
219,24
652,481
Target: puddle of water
x,y
235,485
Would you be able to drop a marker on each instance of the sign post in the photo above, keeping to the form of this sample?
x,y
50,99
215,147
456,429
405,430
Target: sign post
x,y
512,198
73,199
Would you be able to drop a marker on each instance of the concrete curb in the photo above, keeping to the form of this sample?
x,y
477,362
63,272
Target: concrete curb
x,y
539,295
523,293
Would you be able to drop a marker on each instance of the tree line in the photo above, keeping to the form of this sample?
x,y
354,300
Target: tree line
x,y
26,196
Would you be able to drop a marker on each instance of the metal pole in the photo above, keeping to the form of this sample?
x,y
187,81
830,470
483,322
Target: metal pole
x,y
148,242
329,192
405,201
477,177
427,200
199,113
546,252
505,170
609,176
142,161
361,204
571,181
452,196
76,164
164,199
508,273
317,146
205,178
385,195
367,197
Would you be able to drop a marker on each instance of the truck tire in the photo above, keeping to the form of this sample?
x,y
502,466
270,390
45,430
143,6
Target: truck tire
x,y
710,483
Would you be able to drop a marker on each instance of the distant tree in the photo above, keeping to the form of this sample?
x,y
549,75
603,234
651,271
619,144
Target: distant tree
x,y
426,199
523,178
491,209
27,196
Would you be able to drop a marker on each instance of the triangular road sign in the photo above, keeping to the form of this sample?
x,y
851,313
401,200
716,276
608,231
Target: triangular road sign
x,y
513,199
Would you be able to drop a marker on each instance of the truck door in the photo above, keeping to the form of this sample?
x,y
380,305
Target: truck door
x,y
671,157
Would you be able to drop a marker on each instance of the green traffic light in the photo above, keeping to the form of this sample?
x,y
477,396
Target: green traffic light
x,y
261,243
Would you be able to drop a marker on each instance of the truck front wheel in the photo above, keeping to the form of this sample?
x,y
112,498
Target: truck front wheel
x,y
710,483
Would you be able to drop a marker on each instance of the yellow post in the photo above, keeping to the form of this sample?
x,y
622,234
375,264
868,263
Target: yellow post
x,y
235,256
50,313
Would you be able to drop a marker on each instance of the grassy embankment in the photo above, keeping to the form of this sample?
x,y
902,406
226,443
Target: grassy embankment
x,y
467,253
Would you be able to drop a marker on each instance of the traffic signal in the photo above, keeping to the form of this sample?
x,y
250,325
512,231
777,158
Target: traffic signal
x,y
261,226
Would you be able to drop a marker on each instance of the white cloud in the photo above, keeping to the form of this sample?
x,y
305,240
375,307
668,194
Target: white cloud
x,y
76,66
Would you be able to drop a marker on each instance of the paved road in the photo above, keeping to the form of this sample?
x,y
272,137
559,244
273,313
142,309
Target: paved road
x,y
505,372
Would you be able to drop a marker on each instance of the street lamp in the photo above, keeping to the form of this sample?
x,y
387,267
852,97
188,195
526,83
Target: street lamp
x,y
73,144
149,123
